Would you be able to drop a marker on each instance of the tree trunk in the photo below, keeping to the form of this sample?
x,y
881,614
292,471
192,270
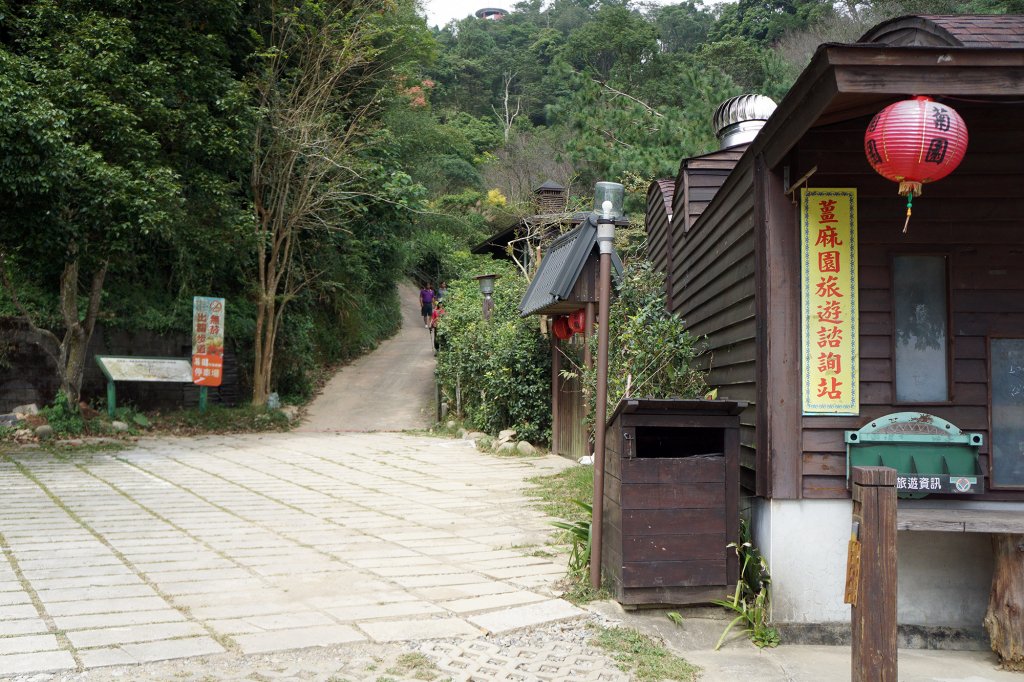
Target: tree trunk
x,y
1005,618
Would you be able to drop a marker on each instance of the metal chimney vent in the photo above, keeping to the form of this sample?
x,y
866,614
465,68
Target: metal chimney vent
x,y
737,120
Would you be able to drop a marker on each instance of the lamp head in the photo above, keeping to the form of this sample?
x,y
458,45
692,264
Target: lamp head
x,y
608,199
486,283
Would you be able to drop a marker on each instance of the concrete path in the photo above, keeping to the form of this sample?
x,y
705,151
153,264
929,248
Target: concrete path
x,y
251,544
390,389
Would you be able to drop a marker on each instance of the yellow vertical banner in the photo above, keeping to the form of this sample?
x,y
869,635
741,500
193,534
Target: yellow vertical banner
x,y
828,301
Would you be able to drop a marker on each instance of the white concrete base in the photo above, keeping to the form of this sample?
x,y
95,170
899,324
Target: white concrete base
x,y
943,578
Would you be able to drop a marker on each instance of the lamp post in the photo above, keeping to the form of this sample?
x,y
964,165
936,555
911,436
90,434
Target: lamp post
x,y
608,198
486,283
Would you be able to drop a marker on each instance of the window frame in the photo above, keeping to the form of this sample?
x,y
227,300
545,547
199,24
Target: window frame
x,y
947,256
989,478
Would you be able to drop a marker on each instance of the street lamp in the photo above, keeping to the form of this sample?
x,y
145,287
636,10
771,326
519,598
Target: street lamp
x,y
608,198
486,283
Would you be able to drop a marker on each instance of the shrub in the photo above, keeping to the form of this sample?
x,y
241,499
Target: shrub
x,y
650,352
500,370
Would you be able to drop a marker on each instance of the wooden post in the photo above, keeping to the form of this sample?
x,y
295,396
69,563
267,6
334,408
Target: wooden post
x,y
111,398
1006,604
874,609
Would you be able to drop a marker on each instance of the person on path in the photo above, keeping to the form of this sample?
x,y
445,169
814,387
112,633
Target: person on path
x,y
442,289
426,304
435,318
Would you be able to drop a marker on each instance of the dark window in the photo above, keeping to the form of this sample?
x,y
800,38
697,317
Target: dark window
x,y
1007,367
921,320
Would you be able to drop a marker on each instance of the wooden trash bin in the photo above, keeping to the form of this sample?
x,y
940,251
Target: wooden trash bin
x,y
671,500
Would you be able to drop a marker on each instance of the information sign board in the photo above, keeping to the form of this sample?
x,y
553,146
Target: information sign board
x,y
207,340
119,368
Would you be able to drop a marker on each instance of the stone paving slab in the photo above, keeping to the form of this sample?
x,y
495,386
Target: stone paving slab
x,y
181,548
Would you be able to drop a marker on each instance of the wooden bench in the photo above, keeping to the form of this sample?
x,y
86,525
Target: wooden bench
x,y
960,520
1006,527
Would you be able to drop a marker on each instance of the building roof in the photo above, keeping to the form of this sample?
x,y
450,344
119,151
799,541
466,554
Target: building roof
x,y
550,185
561,267
667,188
849,81
950,30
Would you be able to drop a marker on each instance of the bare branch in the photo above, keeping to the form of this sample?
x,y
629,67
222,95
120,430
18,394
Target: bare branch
x,y
619,93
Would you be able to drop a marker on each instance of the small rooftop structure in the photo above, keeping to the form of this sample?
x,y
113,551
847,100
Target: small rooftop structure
x,y
552,288
492,13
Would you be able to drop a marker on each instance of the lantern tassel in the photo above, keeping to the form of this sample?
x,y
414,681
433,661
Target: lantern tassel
x,y
910,201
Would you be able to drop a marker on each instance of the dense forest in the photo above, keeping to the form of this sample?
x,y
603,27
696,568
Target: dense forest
x,y
300,157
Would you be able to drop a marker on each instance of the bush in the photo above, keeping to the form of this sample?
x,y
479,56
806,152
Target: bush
x,y
501,369
650,352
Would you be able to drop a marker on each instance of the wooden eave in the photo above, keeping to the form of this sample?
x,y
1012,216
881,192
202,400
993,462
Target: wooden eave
x,y
849,81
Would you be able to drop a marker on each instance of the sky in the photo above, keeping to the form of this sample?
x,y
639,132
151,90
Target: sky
x,y
440,12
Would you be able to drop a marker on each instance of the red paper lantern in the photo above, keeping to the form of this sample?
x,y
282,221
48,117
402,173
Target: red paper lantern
x,y
561,328
914,142
578,321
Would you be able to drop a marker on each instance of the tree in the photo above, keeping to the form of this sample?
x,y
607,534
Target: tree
x,y
327,72
90,103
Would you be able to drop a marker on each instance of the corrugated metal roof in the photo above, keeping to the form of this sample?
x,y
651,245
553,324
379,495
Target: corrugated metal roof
x,y
952,30
561,267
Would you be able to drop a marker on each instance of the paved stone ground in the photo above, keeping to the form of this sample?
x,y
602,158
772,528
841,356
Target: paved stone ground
x,y
254,544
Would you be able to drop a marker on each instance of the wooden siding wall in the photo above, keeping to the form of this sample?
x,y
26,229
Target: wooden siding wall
x,y
713,288
975,217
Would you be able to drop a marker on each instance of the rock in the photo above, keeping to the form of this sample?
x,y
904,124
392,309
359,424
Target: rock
x,y
461,433
8,419
290,411
449,425
587,460
525,448
119,427
473,435
44,432
23,434
26,409
506,435
444,411
86,411
506,448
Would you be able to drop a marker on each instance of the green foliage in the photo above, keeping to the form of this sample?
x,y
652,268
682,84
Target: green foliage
x,y
581,535
63,418
750,600
651,354
675,617
499,369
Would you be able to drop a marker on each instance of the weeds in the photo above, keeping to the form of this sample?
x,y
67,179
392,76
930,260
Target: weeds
x,y
647,658
750,601
580,532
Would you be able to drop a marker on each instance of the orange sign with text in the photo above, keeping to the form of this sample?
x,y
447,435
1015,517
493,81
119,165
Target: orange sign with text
x,y
207,341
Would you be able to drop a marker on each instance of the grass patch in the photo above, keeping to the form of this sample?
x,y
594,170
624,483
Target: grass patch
x,y
415,665
645,657
64,450
555,492
218,419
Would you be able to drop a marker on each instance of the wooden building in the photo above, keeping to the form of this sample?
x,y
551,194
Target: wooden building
x,y
566,282
730,248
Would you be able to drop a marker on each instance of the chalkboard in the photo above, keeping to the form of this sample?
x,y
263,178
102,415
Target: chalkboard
x,y
1007,366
